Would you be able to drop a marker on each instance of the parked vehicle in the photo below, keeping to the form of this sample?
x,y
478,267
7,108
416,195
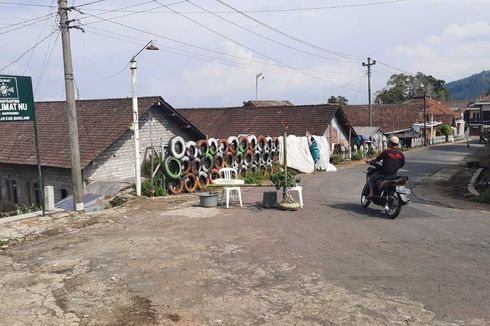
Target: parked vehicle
x,y
390,192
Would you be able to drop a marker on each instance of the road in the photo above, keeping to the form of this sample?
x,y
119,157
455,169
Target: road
x,y
331,263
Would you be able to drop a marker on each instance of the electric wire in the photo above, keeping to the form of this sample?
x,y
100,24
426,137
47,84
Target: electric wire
x,y
266,37
27,51
37,19
23,25
46,61
24,4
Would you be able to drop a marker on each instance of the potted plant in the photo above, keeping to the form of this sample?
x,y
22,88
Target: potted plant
x,y
281,180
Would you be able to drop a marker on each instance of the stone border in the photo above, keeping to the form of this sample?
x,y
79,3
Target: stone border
x,y
471,185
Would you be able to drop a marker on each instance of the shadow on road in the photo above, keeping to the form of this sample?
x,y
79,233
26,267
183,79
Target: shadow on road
x,y
358,209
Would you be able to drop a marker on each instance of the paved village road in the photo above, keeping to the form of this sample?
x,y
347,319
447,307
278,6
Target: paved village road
x,y
331,263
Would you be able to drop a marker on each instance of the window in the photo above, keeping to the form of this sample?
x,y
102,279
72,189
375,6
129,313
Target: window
x,y
64,193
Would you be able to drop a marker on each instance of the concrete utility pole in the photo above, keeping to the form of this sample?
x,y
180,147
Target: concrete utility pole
x,y
76,171
368,65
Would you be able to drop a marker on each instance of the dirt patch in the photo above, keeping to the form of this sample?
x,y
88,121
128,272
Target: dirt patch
x,y
459,182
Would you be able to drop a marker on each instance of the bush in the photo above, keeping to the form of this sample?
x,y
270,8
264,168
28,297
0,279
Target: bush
x,y
146,166
444,130
336,159
483,198
117,201
278,179
356,157
254,177
155,189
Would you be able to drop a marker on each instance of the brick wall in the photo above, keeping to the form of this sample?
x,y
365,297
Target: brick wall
x,y
117,162
20,180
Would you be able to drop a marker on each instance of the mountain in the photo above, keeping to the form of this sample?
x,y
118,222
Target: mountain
x,y
470,88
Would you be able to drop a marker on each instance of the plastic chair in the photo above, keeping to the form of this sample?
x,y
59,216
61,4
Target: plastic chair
x,y
299,190
228,175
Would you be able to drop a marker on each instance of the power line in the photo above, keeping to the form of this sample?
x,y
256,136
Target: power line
x,y
24,4
393,67
90,3
37,19
340,54
276,10
265,37
46,61
30,49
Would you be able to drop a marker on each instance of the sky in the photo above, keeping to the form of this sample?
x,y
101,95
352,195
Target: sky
x,y
210,51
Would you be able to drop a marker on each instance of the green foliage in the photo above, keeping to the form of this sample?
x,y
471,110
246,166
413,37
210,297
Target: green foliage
x,y
483,198
23,209
278,179
117,201
155,189
444,130
338,100
336,159
402,87
146,166
4,242
356,157
470,88
254,177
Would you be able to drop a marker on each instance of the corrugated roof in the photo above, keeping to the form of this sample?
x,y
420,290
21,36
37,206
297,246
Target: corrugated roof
x,y
100,123
267,121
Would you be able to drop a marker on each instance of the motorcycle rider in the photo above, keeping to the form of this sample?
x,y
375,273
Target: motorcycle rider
x,y
393,159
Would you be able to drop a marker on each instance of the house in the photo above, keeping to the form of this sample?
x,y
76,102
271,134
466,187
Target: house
x,y
322,120
478,115
105,139
405,120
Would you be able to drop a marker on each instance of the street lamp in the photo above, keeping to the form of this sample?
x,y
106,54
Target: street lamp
x,y
260,75
137,169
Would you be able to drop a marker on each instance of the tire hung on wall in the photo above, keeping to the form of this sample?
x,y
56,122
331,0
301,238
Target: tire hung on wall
x,y
233,144
239,158
252,168
176,147
257,157
248,158
243,144
186,165
172,167
192,150
261,143
207,162
195,165
223,146
266,157
175,186
213,175
202,146
212,146
269,143
190,182
202,180
230,160
219,161
252,142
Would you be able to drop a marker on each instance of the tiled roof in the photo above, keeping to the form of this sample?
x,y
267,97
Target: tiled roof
x,y
100,123
267,121
484,98
265,103
455,105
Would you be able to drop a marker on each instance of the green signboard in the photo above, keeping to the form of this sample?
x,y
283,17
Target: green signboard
x,y
16,99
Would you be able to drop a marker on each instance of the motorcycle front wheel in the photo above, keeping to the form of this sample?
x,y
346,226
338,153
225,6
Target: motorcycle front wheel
x,y
364,196
393,205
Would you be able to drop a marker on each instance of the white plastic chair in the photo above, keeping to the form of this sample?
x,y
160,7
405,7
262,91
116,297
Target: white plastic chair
x,y
230,176
299,190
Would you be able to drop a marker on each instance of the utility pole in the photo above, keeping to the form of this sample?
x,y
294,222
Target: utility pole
x,y
76,171
368,65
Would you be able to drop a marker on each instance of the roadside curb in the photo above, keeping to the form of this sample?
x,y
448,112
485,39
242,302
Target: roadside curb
x,y
471,185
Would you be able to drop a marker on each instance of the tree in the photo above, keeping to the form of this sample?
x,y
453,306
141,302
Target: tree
x,y
338,100
402,87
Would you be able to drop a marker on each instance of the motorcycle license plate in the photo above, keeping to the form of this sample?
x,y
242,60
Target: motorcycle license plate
x,y
403,190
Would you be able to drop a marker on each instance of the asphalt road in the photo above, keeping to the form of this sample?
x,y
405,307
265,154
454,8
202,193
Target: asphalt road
x,y
331,263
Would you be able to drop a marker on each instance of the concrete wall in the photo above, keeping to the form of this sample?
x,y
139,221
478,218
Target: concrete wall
x,y
25,177
117,162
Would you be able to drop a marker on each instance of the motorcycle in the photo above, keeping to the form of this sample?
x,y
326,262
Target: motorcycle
x,y
390,192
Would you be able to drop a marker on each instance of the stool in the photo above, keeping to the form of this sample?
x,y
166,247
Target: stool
x,y
299,190
227,191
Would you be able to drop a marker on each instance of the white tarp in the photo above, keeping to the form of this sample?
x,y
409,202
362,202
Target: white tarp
x,y
299,156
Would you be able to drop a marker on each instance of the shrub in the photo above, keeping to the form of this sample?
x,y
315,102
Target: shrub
x,y
278,179
117,201
336,159
444,130
356,157
483,198
146,166
154,189
254,177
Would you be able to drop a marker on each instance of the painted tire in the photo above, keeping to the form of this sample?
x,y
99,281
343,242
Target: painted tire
x,y
252,168
176,146
176,186
233,144
190,182
202,180
257,157
269,143
212,146
202,146
195,166
243,144
192,150
207,163
252,142
266,157
276,143
186,165
261,143
248,158
243,169
239,159
269,166
223,146
262,167
213,175
172,167
230,160
219,161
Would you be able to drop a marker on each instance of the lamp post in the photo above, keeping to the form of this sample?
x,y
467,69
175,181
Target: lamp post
x,y
137,168
260,75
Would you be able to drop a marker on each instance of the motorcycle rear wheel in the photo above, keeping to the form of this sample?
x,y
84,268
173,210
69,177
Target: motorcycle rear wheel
x,y
394,204
364,196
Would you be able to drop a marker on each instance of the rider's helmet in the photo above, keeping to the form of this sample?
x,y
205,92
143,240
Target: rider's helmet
x,y
394,140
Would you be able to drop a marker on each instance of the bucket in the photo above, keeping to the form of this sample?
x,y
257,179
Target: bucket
x,y
269,199
208,199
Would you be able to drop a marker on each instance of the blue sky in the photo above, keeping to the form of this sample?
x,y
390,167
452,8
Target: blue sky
x,y
449,39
